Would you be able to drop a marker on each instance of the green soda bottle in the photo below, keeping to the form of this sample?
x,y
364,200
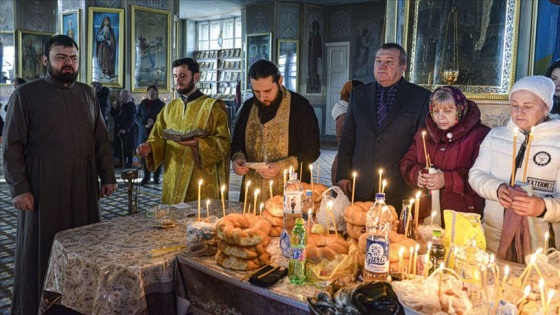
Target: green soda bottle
x,y
298,241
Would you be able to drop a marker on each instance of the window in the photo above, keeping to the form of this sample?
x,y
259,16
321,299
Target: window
x,y
209,31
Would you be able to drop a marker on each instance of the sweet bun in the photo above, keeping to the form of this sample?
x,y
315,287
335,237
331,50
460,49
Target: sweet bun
x,y
323,246
245,252
275,206
236,263
274,220
242,229
357,213
355,231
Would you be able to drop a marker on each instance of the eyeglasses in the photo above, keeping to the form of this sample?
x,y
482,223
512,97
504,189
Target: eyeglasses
x,y
64,58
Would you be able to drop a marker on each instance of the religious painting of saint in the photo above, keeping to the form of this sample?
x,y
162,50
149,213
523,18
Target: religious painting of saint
x,y
106,46
30,46
258,47
315,57
151,31
70,25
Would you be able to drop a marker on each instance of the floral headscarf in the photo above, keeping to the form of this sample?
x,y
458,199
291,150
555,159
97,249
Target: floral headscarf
x,y
458,97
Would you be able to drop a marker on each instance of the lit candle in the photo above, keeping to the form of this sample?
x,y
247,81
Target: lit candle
x,y
546,236
380,178
354,174
425,151
256,197
309,216
527,270
527,154
311,176
414,263
261,207
551,293
222,190
429,250
290,169
285,173
207,210
506,272
246,193
426,266
401,252
515,130
432,219
300,170
410,254
199,186
383,186
329,210
270,188
526,293
541,290
417,208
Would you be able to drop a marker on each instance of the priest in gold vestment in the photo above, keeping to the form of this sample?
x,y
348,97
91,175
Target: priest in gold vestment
x,y
202,158
276,126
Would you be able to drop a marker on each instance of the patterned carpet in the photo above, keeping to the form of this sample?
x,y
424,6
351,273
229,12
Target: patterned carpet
x,y
116,205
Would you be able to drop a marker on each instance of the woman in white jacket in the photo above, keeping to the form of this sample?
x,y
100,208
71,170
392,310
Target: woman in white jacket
x,y
514,225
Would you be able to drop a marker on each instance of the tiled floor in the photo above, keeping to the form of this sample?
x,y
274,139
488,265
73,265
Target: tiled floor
x,y
114,206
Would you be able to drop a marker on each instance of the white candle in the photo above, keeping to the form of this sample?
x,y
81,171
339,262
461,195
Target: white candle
x,y
222,190
541,290
354,174
401,252
425,151
261,207
546,236
256,197
207,210
410,254
270,188
383,187
432,219
506,272
551,293
199,187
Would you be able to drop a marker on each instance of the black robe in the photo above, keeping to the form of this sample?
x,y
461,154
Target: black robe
x,y
56,146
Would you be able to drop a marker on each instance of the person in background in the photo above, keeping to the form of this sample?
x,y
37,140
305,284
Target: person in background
x,y
124,132
553,73
145,117
104,101
57,163
453,137
17,82
339,115
527,217
380,124
275,126
189,161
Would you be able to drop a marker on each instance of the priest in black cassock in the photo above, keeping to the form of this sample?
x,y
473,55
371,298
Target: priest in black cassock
x,y
57,163
276,126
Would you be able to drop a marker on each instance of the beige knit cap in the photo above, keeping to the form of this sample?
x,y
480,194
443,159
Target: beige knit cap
x,y
540,85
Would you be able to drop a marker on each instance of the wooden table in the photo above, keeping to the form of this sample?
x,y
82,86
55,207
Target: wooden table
x,y
107,268
217,290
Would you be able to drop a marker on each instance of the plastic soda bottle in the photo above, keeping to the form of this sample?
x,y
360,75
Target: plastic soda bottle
x,y
437,253
293,197
378,224
298,241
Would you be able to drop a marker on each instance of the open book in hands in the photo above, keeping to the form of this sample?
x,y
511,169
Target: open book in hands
x,y
170,134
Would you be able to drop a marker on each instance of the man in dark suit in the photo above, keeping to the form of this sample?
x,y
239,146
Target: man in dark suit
x,y
380,124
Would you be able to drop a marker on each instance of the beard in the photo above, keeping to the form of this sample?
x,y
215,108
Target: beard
x,y
190,86
276,101
61,77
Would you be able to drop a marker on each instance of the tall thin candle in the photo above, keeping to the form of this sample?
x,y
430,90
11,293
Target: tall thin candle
x,y
417,209
354,174
300,171
410,259
311,176
261,207
528,154
432,218
514,153
256,197
425,151
383,186
285,172
246,193
199,187
546,236
270,188
207,210
380,178
414,262
222,190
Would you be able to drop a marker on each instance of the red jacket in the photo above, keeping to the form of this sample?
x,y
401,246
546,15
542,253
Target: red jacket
x,y
452,151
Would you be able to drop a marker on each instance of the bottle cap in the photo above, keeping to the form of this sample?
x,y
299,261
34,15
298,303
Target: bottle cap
x,y
379,196
308,193
436,233
300,221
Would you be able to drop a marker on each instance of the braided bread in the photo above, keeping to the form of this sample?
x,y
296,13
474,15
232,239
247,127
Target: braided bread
x,y
275,206
236,263
242,229
245,252
323,246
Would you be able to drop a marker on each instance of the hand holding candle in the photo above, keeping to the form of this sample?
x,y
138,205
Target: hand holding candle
x,y
199,188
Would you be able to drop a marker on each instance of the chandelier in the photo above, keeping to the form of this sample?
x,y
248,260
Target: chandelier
x,y
450,72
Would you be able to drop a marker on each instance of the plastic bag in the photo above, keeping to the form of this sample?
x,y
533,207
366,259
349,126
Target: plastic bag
x,y
343,266
340,203
459,229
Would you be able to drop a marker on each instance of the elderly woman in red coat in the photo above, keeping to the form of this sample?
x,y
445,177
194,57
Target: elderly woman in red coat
x,y
453,136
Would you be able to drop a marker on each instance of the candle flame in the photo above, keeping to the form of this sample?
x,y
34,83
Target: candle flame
x,y
270,183
384,182
261,205
433,214
285,171
200,182
441,265
380,171
551,293
526,291
248,184
223,188
492,258
417,247
311,166
546,236
257,191
401,251
541,283
411,201
429,245
515,131
533,258
506,270
418,194
207,202
423,133
354,174
329,205
538,251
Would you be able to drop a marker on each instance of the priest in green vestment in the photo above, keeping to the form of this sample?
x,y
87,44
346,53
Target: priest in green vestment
x,y
202,158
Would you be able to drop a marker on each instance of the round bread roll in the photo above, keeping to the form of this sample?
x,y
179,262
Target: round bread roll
x,y
357,213
318,190
275,206
355,231
245,252
274,220
242,229
236,263
323,246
